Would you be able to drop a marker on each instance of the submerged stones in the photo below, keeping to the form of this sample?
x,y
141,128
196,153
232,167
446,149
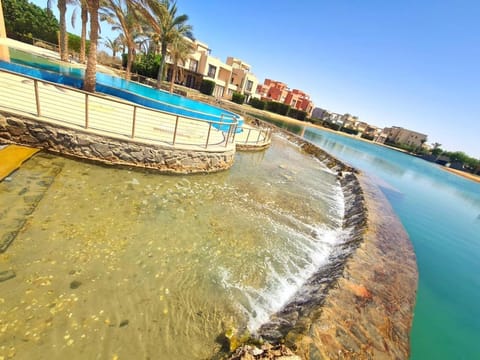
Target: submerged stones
x,y
7,275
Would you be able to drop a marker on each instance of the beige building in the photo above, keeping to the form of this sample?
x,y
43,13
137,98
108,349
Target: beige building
x,y
401,136
231,76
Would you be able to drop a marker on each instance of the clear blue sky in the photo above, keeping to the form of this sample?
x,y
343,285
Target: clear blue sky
x,y
407,63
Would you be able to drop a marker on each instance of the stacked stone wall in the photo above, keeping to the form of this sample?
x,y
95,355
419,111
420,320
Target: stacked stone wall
x,y
110,150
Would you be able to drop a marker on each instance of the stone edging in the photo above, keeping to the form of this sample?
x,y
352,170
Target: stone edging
x,y
361,304
104,149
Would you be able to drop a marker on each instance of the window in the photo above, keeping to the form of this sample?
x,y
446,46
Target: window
x,y
212,70
249,85
193,66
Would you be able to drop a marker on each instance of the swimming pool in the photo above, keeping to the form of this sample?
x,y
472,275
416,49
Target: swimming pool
x,y
41,68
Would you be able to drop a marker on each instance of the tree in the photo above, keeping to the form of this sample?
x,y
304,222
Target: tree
x,y
83,35
123,16
24,20
62,18
91,70
180,50
162,17
113,45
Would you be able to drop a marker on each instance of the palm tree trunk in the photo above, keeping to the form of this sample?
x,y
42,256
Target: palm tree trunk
x,y
162,65
63,43
90,73
130,57
172,80
83,39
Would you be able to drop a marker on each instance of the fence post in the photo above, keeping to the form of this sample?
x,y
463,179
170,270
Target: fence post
x,y
258,137
37,98
86,111
249,130
234,132
175,131
208,136
228,134
134,120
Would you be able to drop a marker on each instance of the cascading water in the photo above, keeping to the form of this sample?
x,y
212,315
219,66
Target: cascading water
x,y
130,264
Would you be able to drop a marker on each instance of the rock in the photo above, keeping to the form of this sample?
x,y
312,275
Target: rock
x,y
7,275
123,323
75,284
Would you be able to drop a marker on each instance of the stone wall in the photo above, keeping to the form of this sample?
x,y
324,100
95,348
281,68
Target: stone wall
x,y
109,150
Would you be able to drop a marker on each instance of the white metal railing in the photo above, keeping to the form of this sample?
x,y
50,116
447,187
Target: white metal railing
x,y
254,136
73,107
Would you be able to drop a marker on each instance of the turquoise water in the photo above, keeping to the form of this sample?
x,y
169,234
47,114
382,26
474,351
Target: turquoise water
x,y
441,213
42,68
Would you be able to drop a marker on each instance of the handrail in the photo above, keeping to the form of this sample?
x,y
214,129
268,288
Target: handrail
x,y
255,136
205,133
223,114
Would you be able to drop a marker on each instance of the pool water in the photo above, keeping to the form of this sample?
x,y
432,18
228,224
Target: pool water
x,y
42,68
117,263
441,213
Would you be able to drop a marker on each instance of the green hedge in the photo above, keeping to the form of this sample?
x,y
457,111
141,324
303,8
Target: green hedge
x,y
349,131
277,107
257,103
238,98
144,64
297,114
207,87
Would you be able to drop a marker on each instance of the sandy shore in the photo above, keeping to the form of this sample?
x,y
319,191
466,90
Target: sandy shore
x,y
463,174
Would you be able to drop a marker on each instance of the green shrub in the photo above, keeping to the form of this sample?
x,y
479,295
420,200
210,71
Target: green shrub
x,y
278,108
367,137
238,98
74,43
349,131
257,103
207,87
147,65
24,21
297,114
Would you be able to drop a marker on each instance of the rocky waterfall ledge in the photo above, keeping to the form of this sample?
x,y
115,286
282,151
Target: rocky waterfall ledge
x,y
360,305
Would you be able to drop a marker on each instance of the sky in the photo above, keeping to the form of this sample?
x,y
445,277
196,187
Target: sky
x,y
413,64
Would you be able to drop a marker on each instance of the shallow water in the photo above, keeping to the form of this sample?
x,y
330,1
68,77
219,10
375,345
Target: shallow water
x,y
118,263
441,213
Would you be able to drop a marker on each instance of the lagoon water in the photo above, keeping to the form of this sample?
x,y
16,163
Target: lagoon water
x,y
113,263
441,213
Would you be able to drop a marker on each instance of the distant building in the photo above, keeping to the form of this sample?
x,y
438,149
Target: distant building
x,y
319,113
272,90
401,136
278,91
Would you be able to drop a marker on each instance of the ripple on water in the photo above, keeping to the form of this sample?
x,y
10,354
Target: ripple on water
x,y
116,263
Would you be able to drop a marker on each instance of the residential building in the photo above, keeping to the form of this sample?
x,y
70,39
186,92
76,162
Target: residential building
x,y
278,91
245,81
234,75
299,100
272,90
319,113
401,136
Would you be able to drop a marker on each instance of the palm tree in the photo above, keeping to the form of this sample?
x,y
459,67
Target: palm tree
x,y
123,16
113,45
83,36
162,17
84,20
91,70
180,50
63,40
